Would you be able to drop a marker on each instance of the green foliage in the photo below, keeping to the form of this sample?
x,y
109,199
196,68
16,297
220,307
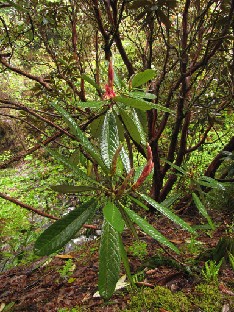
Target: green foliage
x,y
157,299
193,245
211,270
75,309
60,232
112,187
203,210
231,260
143,77
138,249
222,200
206,297
109,261
67,270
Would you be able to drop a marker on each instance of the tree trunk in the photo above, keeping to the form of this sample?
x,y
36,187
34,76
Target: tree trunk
x,y
217,161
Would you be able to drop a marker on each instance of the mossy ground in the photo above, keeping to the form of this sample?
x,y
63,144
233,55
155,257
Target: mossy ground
x,y
205,298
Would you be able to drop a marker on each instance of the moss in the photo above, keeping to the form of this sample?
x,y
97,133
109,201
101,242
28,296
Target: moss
x,y
159,297
205,298
208,298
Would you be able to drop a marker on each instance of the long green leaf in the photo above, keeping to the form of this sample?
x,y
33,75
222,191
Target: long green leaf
x,y
91,81
73,188
175,166
202,210
109,261
139,126
60,232
113,216
130,125
170,200
109,139
142,95
136,103
96,127
125,160
125,261
149,229
143,77
212,183
138,202
86,144
91,104
168,213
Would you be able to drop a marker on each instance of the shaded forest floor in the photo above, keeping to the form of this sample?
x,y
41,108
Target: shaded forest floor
x,y
64,281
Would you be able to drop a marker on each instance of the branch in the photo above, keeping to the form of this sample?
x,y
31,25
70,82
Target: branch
x,y
39,212
17,202
23,73
214,165
195,147
33,113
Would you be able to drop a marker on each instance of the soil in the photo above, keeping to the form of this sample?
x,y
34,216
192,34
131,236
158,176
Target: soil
x,y
40,286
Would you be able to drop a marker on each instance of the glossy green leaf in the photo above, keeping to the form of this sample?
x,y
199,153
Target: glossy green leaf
x,y
125,160
124,258
175,166
72,188
86,144
96,127
168,213
139,203
170,200
136,103
109,261
113,216
149,229
143,77
121,130
139,126
60,232
202,210
162,108
91,81
142,95
143,119
212,183
130,125
91,104
109,139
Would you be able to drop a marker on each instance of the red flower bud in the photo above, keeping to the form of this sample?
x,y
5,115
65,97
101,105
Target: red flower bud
x,y
147,169
109,94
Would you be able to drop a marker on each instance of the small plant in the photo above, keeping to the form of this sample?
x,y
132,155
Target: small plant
x,y
211,270
231,260
110,183
193,245
138,249
68,269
